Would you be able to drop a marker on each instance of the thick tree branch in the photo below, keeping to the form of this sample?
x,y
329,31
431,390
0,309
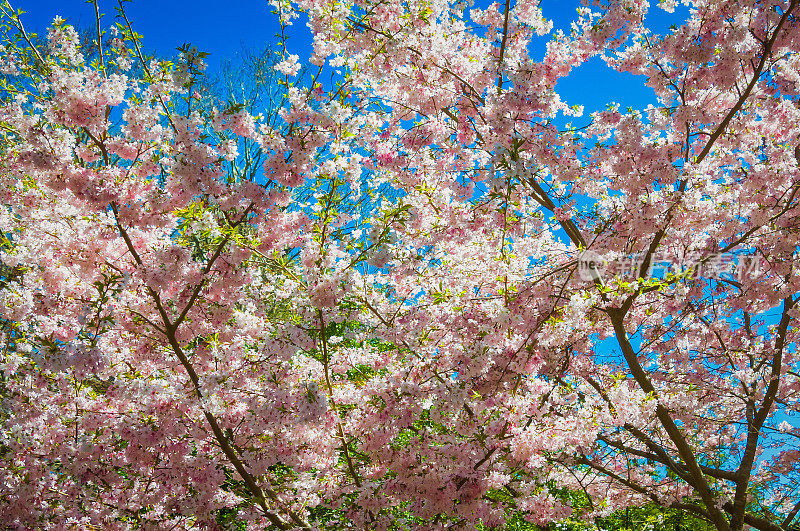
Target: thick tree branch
x,y
695,474
503,47
756,419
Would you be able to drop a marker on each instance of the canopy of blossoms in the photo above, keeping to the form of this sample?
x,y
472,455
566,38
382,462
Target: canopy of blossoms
x,y
413,299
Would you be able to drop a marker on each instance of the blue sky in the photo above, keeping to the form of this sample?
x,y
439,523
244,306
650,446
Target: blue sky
x,y
223,31
166,24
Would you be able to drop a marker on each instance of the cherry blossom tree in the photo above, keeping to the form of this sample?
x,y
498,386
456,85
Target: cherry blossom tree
x,y
434,305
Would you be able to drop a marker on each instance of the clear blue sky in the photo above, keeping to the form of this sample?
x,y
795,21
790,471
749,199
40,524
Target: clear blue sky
x,y
223,28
